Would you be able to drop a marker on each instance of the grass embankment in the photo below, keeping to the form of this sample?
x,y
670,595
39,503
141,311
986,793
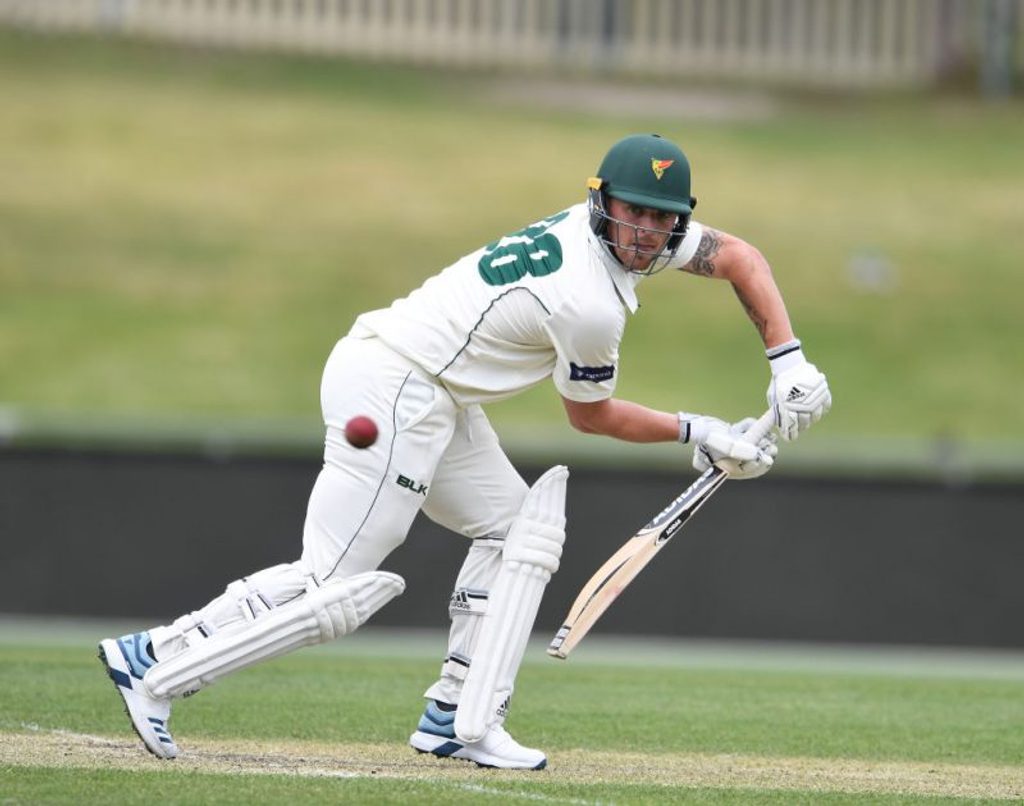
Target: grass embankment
x,y
187,233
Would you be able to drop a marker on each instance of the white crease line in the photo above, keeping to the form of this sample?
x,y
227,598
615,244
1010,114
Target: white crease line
x,y
511,793
103,740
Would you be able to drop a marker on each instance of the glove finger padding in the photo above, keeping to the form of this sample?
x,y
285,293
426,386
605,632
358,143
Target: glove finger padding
x,y
724,445
738,457
741,470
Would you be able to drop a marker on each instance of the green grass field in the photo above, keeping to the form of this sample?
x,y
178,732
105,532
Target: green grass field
x,y
621,722
185,234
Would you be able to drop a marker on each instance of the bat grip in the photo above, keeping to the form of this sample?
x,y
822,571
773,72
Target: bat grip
x,y
760,429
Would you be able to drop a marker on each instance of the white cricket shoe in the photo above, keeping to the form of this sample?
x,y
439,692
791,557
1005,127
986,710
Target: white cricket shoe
x,y
126,660
436,734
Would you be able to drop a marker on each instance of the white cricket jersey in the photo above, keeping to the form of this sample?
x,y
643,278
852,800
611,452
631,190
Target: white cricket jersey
x,y
548,300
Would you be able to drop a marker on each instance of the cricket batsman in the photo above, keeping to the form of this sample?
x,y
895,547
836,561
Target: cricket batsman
x,y
550,300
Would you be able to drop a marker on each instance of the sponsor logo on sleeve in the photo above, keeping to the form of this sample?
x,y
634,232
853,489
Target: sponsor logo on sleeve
x,y
595,374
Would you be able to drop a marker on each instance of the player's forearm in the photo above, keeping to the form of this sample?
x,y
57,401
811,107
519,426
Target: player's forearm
x,y
628,421
755,287
727,257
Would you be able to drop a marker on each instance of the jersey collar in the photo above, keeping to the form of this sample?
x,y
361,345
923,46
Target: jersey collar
x,y
625,281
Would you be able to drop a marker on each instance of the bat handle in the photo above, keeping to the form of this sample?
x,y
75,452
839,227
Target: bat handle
x,y
760,429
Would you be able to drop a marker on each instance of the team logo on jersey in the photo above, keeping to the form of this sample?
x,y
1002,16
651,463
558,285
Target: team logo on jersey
x,y
595,374
660,166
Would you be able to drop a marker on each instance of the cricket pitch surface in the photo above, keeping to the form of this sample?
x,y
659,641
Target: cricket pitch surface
x,y
36,747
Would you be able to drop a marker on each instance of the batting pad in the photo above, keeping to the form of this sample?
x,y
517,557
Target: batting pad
x,y
328,612
531,555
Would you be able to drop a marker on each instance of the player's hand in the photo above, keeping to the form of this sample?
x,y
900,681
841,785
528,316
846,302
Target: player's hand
x,y
728,448
798,393
694,428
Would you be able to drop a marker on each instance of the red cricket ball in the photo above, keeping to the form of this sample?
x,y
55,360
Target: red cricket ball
x,y
361,432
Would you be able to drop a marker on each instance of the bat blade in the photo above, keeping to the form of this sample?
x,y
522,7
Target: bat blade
x,y
622,567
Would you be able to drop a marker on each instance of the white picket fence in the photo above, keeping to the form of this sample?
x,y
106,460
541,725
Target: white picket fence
x,y
805,42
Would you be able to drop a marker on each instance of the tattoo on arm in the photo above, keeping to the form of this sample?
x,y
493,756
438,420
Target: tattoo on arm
x,y
703,260
759,321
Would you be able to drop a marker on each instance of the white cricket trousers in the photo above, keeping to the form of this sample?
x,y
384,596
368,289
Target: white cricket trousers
x,y
429,454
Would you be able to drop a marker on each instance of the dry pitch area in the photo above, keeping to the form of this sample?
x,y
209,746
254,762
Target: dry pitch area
x,y
65,749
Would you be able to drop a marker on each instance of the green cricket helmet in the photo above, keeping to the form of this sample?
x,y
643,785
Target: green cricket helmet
x,y
649,171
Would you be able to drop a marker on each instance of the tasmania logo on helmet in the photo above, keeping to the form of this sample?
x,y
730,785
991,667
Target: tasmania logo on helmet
x,y
660,166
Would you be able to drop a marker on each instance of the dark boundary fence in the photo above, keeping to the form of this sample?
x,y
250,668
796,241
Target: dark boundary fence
x,y
101,533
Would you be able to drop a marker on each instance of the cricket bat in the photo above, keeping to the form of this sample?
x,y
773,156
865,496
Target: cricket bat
x,y
622,567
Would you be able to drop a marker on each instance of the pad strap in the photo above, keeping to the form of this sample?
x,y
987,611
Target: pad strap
x,y
251,602
192,629
456,665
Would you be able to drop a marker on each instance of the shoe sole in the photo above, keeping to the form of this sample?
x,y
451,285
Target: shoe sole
x,y
457,753
102,655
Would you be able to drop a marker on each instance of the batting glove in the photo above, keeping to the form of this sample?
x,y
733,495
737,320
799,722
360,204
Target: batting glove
x,y
718,443
798,392
694,428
